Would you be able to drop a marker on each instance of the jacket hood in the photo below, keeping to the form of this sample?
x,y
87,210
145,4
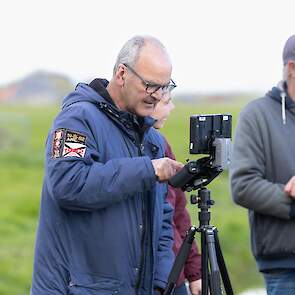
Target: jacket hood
x,y
83,92
280,94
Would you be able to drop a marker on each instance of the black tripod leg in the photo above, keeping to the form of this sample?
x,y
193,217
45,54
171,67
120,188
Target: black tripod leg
x,y
221,263
204,263
180,261
215,282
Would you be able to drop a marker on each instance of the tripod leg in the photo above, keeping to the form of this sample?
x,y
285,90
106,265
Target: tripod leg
x,y
221,263
180,261
204,263
215,282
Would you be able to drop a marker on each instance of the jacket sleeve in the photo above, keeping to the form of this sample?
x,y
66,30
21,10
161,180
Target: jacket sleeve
x,y
84,183
165,256
250,188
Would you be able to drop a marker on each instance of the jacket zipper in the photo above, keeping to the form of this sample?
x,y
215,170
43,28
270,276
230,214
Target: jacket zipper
x,y
139,280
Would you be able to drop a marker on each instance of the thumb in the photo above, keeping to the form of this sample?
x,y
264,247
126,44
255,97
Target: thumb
x,y
287,188
177,165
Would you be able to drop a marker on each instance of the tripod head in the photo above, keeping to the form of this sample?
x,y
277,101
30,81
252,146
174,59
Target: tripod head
x,y
195,174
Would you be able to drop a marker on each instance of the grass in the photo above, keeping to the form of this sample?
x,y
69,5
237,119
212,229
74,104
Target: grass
x,y
21,173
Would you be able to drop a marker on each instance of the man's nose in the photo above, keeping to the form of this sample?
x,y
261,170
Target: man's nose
x,y
158,94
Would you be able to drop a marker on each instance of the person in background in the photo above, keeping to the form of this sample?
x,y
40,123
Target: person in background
x,y
263,177
105,226
181,218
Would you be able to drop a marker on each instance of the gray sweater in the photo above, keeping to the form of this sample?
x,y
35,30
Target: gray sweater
x,y
263,162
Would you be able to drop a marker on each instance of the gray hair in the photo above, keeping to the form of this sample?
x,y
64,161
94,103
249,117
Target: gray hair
x,y
131,49
285,73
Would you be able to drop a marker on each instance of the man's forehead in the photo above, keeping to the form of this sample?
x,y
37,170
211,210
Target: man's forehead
x,y
155,65
151,52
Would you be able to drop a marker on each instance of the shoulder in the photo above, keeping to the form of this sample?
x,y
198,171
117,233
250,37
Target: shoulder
x,y
255,111
255,106
83,111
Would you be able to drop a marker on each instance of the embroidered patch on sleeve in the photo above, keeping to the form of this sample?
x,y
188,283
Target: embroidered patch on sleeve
x,y
67,143
57,143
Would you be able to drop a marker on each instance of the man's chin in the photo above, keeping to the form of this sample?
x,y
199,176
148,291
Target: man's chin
x,y
145,111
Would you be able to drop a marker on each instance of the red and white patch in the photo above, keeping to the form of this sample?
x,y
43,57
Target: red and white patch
x,y
67,143
72,149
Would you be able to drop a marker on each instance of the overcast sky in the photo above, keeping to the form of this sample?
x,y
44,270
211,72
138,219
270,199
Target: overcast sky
x,y
222,45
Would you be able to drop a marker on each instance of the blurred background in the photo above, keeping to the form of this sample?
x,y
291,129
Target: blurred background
x,y
225,53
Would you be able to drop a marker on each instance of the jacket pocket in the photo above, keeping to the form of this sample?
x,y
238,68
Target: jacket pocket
x,y
92,284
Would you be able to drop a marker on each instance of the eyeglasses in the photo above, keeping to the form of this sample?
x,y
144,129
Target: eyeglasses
x,y
152,88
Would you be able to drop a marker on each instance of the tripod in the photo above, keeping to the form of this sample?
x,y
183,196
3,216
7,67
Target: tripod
x,y
212,261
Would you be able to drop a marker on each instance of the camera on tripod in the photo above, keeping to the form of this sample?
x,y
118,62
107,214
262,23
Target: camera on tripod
x,y
209,134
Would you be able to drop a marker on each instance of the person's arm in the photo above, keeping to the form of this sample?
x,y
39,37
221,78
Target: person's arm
x,y
84,183
249,187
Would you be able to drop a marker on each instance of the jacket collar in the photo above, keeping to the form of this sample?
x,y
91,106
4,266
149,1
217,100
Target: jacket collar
x,y
129,122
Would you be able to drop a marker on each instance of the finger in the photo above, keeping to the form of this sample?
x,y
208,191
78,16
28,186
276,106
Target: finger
x,y
171,172
288,187
177,165
292,191
290,184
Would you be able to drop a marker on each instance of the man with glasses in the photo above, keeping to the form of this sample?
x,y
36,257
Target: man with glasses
x,y
105,224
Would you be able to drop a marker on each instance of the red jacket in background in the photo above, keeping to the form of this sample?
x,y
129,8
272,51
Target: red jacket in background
x,y
181,223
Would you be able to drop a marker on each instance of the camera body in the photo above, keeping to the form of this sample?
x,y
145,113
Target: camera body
x,y
211,134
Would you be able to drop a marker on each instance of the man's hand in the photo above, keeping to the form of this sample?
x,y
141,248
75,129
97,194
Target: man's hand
x,y
290,187
166,168
196,287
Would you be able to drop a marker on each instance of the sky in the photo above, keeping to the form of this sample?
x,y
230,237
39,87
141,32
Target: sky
x,y
215,46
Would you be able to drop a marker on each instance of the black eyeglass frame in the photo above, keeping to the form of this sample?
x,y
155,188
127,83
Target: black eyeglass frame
x,y
165,88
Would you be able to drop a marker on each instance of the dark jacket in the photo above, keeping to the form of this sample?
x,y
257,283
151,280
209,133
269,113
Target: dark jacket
x,y
263,162
181,223
105,226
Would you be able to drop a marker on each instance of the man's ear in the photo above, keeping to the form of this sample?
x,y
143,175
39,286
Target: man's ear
x,y
120,75
291,68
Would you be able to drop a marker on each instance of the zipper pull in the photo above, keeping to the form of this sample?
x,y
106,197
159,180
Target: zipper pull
x,y
142,148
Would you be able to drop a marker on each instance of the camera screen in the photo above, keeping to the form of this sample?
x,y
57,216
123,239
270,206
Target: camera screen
x,y
204,129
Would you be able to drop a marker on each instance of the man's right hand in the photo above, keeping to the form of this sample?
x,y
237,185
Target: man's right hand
x,y
290,187
166,168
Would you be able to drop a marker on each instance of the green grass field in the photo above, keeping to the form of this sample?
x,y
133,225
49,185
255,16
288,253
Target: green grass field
x,y
21,173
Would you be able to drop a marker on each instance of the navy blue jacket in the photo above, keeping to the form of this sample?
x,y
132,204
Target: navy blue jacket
x,y
105,224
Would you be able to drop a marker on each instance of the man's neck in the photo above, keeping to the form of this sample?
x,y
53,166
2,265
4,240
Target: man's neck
x,y
115,95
